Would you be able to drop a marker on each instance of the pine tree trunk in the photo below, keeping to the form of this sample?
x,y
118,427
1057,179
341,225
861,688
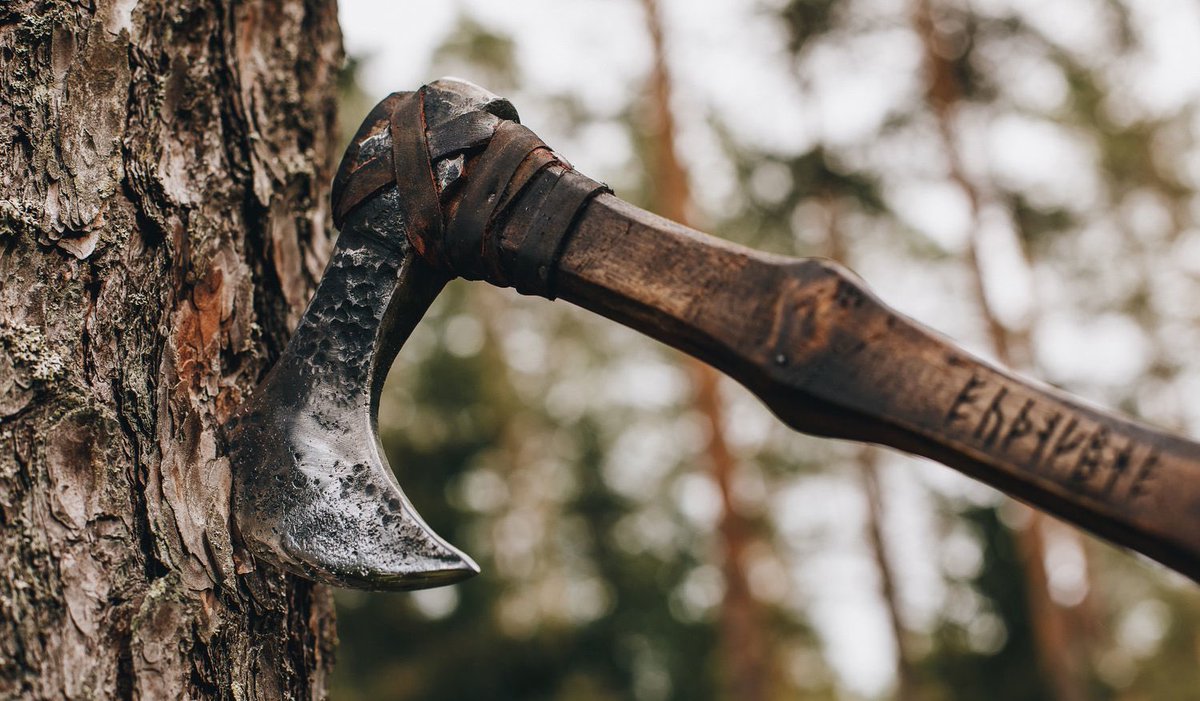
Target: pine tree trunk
x,y
163,217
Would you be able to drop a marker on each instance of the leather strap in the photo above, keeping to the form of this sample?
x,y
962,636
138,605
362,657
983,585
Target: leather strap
x,y
410,158
367,166
536,259
465,131
469,245
509,184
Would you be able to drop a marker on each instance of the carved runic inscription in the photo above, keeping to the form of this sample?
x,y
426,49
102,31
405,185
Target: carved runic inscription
x,y
1051,439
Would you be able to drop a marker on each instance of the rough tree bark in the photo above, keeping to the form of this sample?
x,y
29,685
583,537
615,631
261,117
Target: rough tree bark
x,y
163,217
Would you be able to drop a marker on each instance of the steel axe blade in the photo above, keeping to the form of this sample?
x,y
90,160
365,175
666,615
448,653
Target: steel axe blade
x,y
313,491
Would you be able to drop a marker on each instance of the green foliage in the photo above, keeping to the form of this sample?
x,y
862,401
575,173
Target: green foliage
x,y
807,19
484,53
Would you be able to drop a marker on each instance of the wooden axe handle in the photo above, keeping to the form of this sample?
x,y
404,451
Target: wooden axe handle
x,y
830,359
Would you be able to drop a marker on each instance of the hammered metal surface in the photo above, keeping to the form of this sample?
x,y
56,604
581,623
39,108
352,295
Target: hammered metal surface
x,y
313,489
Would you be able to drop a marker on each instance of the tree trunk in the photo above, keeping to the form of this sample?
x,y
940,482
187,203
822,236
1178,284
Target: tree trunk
x,y
163,218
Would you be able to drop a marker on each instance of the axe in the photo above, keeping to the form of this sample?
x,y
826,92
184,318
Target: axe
x,y
446,182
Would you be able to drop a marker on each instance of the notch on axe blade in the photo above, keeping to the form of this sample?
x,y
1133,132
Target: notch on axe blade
x,y
444,181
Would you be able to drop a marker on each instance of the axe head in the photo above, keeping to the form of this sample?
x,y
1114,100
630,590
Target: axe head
x,y
313,491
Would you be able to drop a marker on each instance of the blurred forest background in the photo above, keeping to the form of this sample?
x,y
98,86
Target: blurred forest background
x,y
1018,174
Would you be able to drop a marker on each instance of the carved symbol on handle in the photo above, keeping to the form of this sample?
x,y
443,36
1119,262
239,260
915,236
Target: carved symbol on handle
x,y
1050,440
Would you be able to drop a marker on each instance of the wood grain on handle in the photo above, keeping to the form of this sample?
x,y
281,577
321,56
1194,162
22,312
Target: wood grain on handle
x,y
830,359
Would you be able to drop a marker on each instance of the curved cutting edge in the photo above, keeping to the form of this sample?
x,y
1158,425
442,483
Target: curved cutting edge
x,y
313,490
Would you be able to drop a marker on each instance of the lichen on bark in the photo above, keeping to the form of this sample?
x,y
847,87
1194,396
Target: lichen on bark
x,y
163,218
